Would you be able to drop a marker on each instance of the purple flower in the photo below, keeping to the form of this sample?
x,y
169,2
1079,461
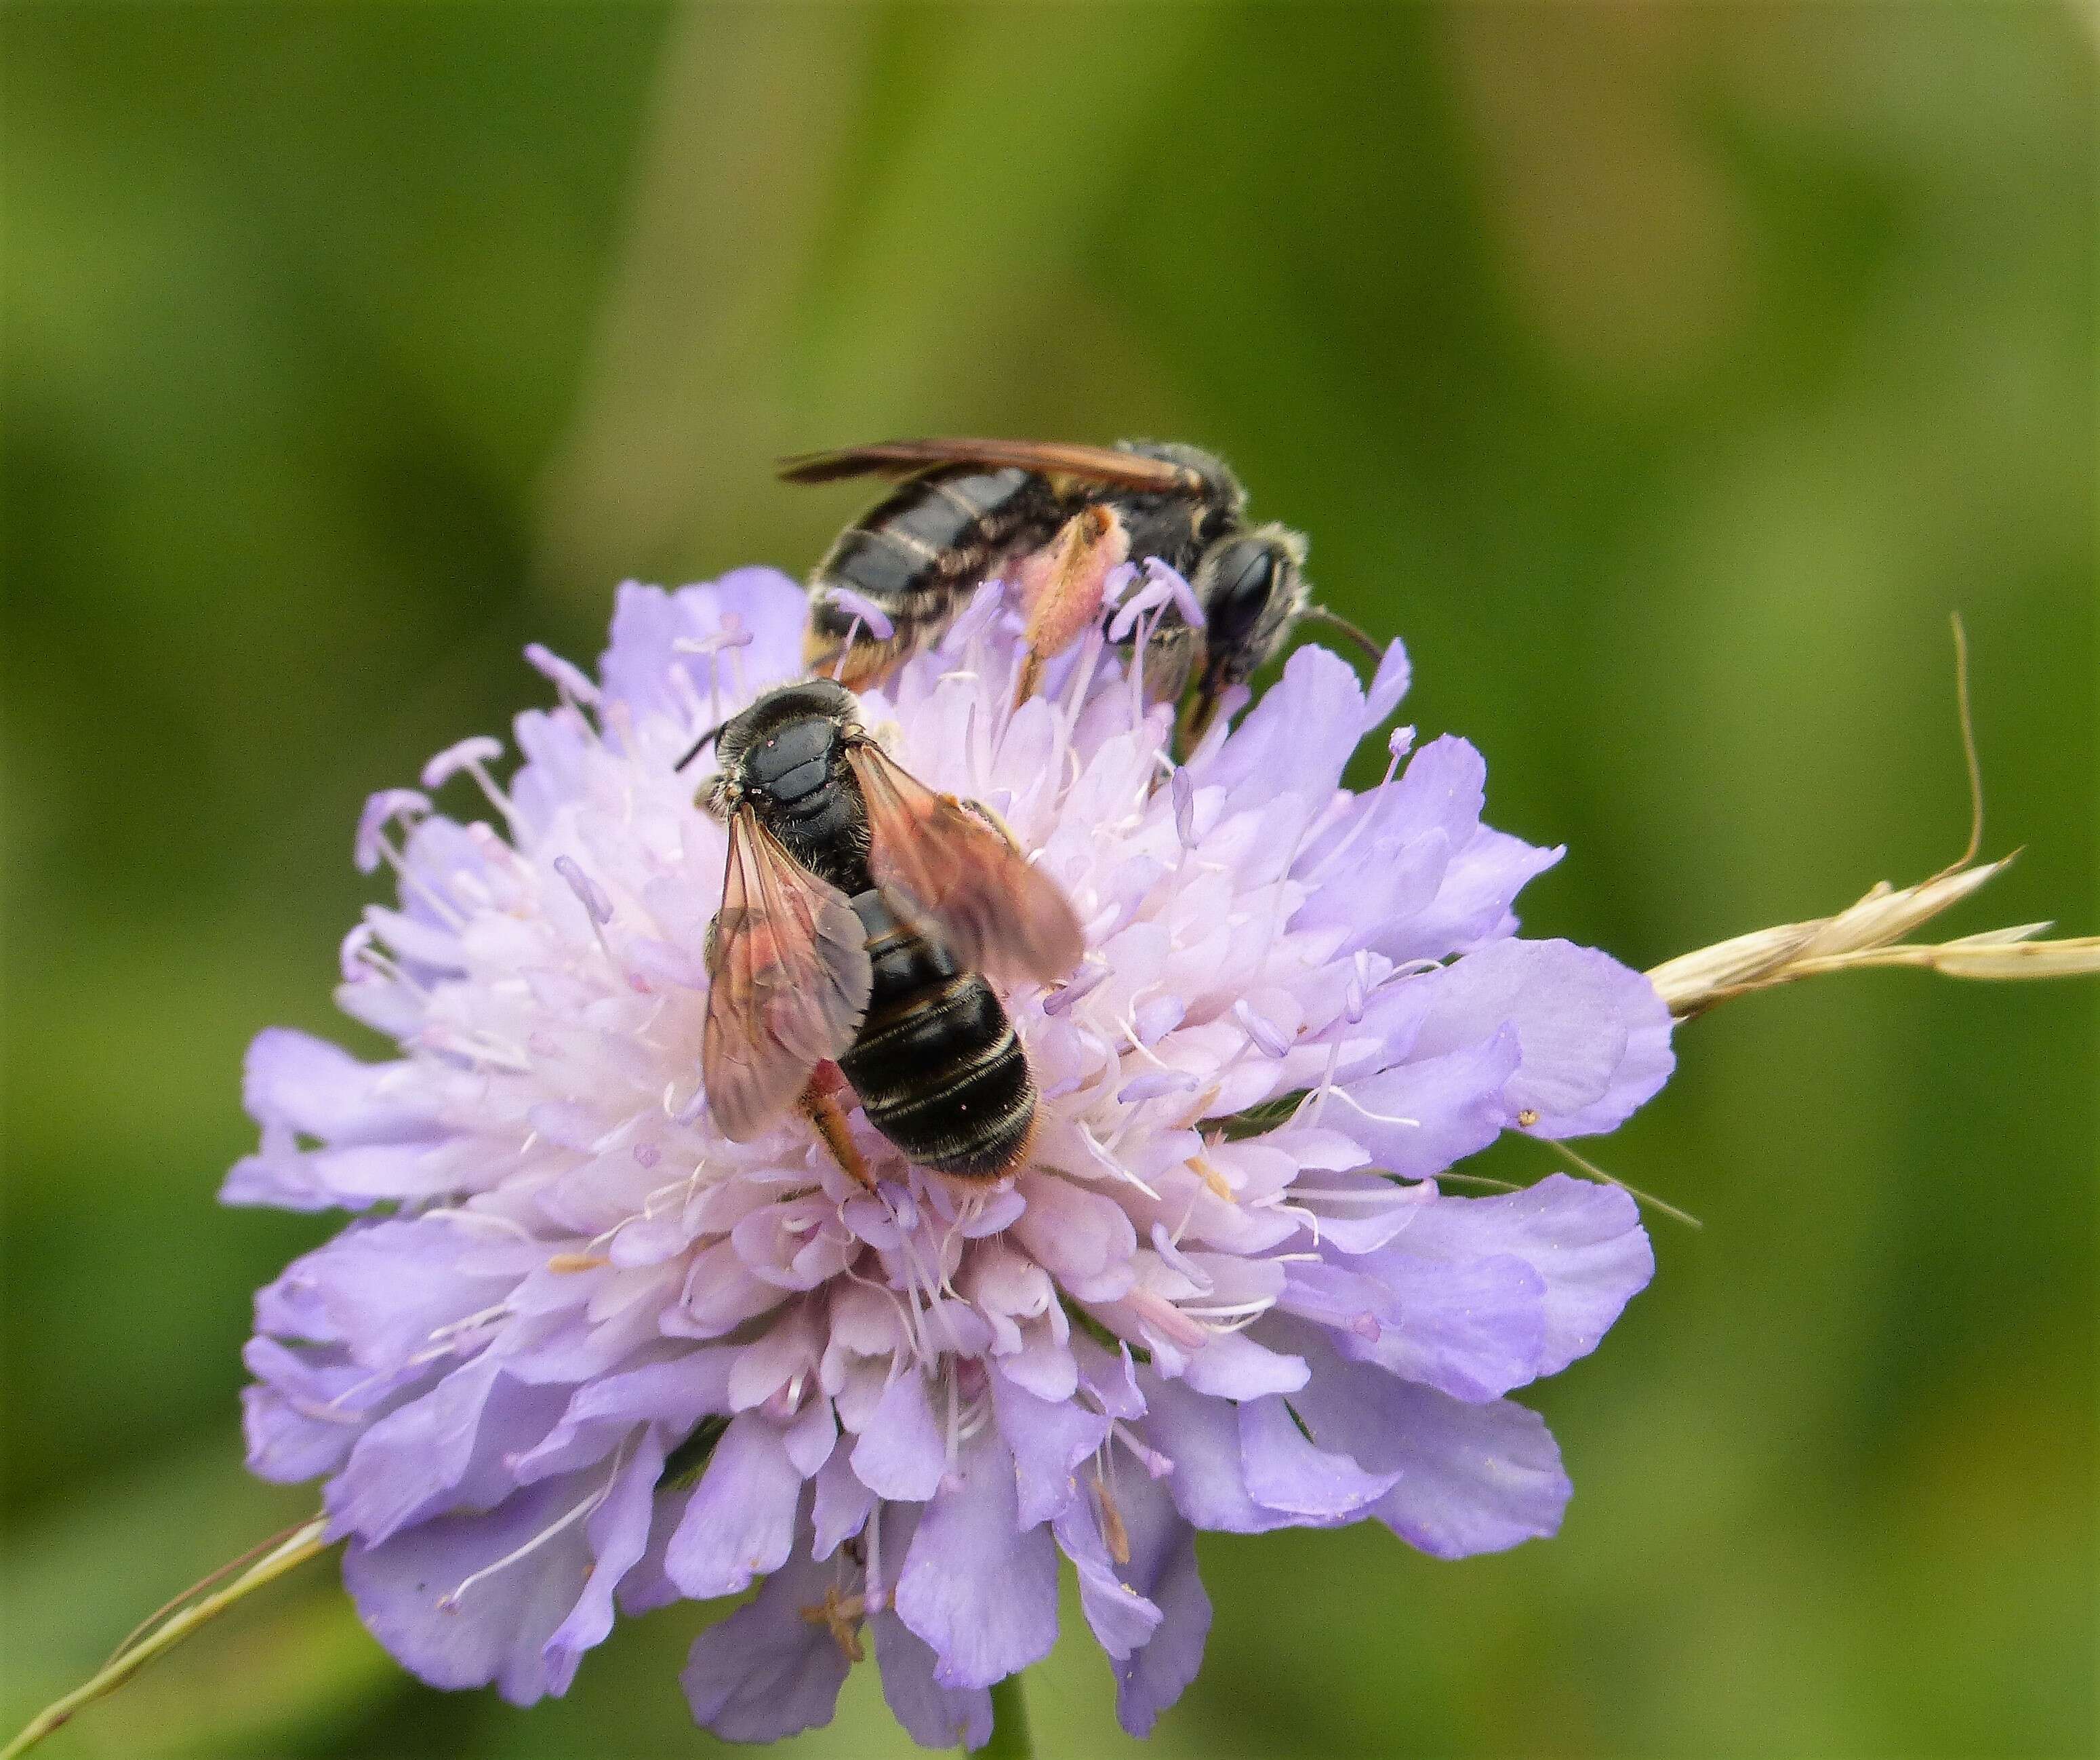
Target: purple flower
x,y
580,1352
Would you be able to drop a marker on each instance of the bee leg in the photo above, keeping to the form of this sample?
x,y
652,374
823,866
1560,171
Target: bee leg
x,y
820,1106
1062,585
991,817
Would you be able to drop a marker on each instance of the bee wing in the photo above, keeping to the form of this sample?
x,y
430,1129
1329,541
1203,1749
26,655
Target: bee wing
x,y
906,458
997,915
788,978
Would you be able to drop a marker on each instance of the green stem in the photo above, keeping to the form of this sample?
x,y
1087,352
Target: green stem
x,y
305,1543
1009,1724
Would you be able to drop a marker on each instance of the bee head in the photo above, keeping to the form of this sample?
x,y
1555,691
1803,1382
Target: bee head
x,y
806,699
1251,588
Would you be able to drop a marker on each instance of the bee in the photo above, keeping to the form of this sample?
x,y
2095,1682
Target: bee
x,y
1061,517
863,916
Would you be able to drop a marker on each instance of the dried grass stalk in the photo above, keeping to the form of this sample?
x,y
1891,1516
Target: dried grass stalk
x,y
1868,934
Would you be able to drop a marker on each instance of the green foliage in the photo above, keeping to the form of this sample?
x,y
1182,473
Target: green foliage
x,y
1664,376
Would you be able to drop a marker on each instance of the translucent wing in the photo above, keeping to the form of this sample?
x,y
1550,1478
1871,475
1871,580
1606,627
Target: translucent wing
x,y
997,915
788,978
905,458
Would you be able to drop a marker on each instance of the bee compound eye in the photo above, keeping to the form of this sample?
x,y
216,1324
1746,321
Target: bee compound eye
x,y
1243,580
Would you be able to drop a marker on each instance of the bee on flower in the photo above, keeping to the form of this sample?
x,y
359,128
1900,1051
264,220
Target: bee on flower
x,y
582,1349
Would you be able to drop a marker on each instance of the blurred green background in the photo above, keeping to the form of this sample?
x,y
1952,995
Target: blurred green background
x,y
1665,377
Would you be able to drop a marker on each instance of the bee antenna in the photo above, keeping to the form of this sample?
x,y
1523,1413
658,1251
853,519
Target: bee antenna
x,y
1372,651
701,744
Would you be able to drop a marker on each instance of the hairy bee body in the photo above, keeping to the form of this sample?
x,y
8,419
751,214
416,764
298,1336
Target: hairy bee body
x,y
919,551
936,1063
934,1059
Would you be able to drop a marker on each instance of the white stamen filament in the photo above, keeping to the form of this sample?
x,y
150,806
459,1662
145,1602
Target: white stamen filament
x,y
876,1595
452,1329
1371,811
413,882
450,1602
482,1218
1112,1166
1387,1195
1350,1100
845,648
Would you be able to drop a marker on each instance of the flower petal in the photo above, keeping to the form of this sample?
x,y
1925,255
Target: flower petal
x,y
766,1672
469,1599
1049,1439
741,1521
901,1452
1585,1242
1285,1470
1162,1568
935,1716
1472,1478
1594,1035
979,1590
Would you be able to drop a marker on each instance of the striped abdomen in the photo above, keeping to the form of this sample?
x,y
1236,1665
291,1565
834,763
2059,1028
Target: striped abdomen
x,y
937,1067
923,547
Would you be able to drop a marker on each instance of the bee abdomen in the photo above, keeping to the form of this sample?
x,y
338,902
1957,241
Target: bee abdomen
x,y
939,533
937,1066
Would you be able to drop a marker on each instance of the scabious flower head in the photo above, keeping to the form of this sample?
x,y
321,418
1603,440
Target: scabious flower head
x,y
579,1351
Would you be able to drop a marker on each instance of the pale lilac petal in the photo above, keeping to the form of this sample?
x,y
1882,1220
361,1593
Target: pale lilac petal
x,y
1084,1239
1388,685
1201,1437
310,1086
1232,1366
422,1594
1472,1478
1049,1439
1162,1569
1122,1620
1584,1241
307,1409
1419,1118
842,1503
1472,1328
982,1592
449,1448
1296,739
353,1177
741,1521
1286,1471
902,1453
935,1716
765,1672
648,623
618,1533
1593,1035
1481,881
674,1394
